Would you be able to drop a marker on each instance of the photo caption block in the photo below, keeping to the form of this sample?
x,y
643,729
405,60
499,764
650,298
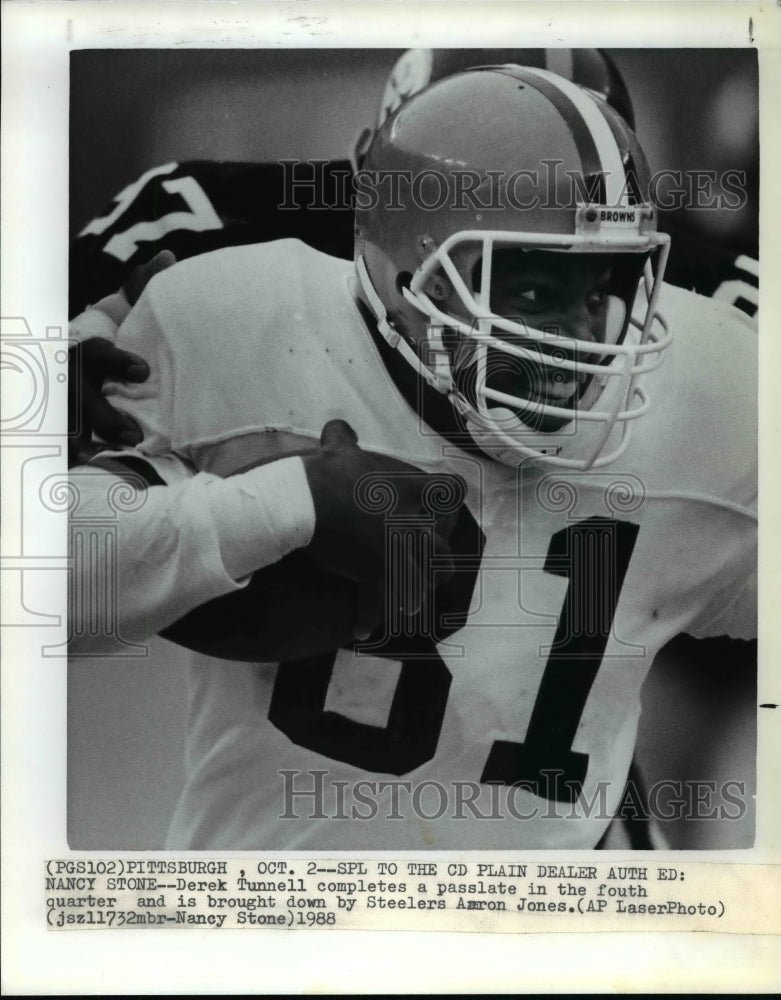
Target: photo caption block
x,y
452,895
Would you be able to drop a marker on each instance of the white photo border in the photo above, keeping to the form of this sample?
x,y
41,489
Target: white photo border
x,y
37,40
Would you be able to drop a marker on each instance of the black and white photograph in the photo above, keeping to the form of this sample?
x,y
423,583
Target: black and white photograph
x,y
400,421
441,431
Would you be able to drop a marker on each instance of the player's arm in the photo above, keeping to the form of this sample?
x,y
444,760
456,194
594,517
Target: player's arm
x,y
173,548
167,548
149,215
201,205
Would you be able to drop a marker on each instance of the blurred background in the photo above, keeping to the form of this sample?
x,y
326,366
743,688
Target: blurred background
x,y
136,109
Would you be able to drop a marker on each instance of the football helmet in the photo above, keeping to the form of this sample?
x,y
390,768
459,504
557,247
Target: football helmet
x,y
417,68
497,172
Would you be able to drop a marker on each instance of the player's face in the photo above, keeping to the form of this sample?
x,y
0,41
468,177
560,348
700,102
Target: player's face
x,y
561,294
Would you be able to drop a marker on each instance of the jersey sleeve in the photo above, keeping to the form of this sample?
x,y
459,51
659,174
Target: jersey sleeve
x,y
148,215
169,548
167,557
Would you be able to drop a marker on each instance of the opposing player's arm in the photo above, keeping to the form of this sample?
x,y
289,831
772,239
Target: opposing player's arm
x,y
144,218
741,287
711,270
93,358
198,206
181,211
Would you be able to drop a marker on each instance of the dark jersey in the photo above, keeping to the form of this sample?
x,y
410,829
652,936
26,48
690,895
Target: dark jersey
x,y
202,205
710,270
192,208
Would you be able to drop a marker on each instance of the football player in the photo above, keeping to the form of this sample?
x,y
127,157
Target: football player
x,y
198,206
185,209
527,351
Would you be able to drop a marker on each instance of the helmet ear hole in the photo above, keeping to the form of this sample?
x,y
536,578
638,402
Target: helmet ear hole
x,y
403,279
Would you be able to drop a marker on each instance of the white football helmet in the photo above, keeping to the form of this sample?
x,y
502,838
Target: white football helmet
x,y
485,175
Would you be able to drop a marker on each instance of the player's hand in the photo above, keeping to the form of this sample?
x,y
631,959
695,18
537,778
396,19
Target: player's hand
x,y
93,362
89,365
350,537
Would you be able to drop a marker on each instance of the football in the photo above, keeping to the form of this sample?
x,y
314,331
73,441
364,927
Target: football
x,y
290,610
295,608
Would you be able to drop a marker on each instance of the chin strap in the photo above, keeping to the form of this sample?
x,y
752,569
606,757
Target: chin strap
x,y
440,378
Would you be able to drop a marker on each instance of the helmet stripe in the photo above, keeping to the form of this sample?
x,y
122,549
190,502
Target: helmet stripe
x,y
619,131
595,142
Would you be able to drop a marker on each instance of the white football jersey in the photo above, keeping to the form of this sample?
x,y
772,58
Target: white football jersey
x,y
511,724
